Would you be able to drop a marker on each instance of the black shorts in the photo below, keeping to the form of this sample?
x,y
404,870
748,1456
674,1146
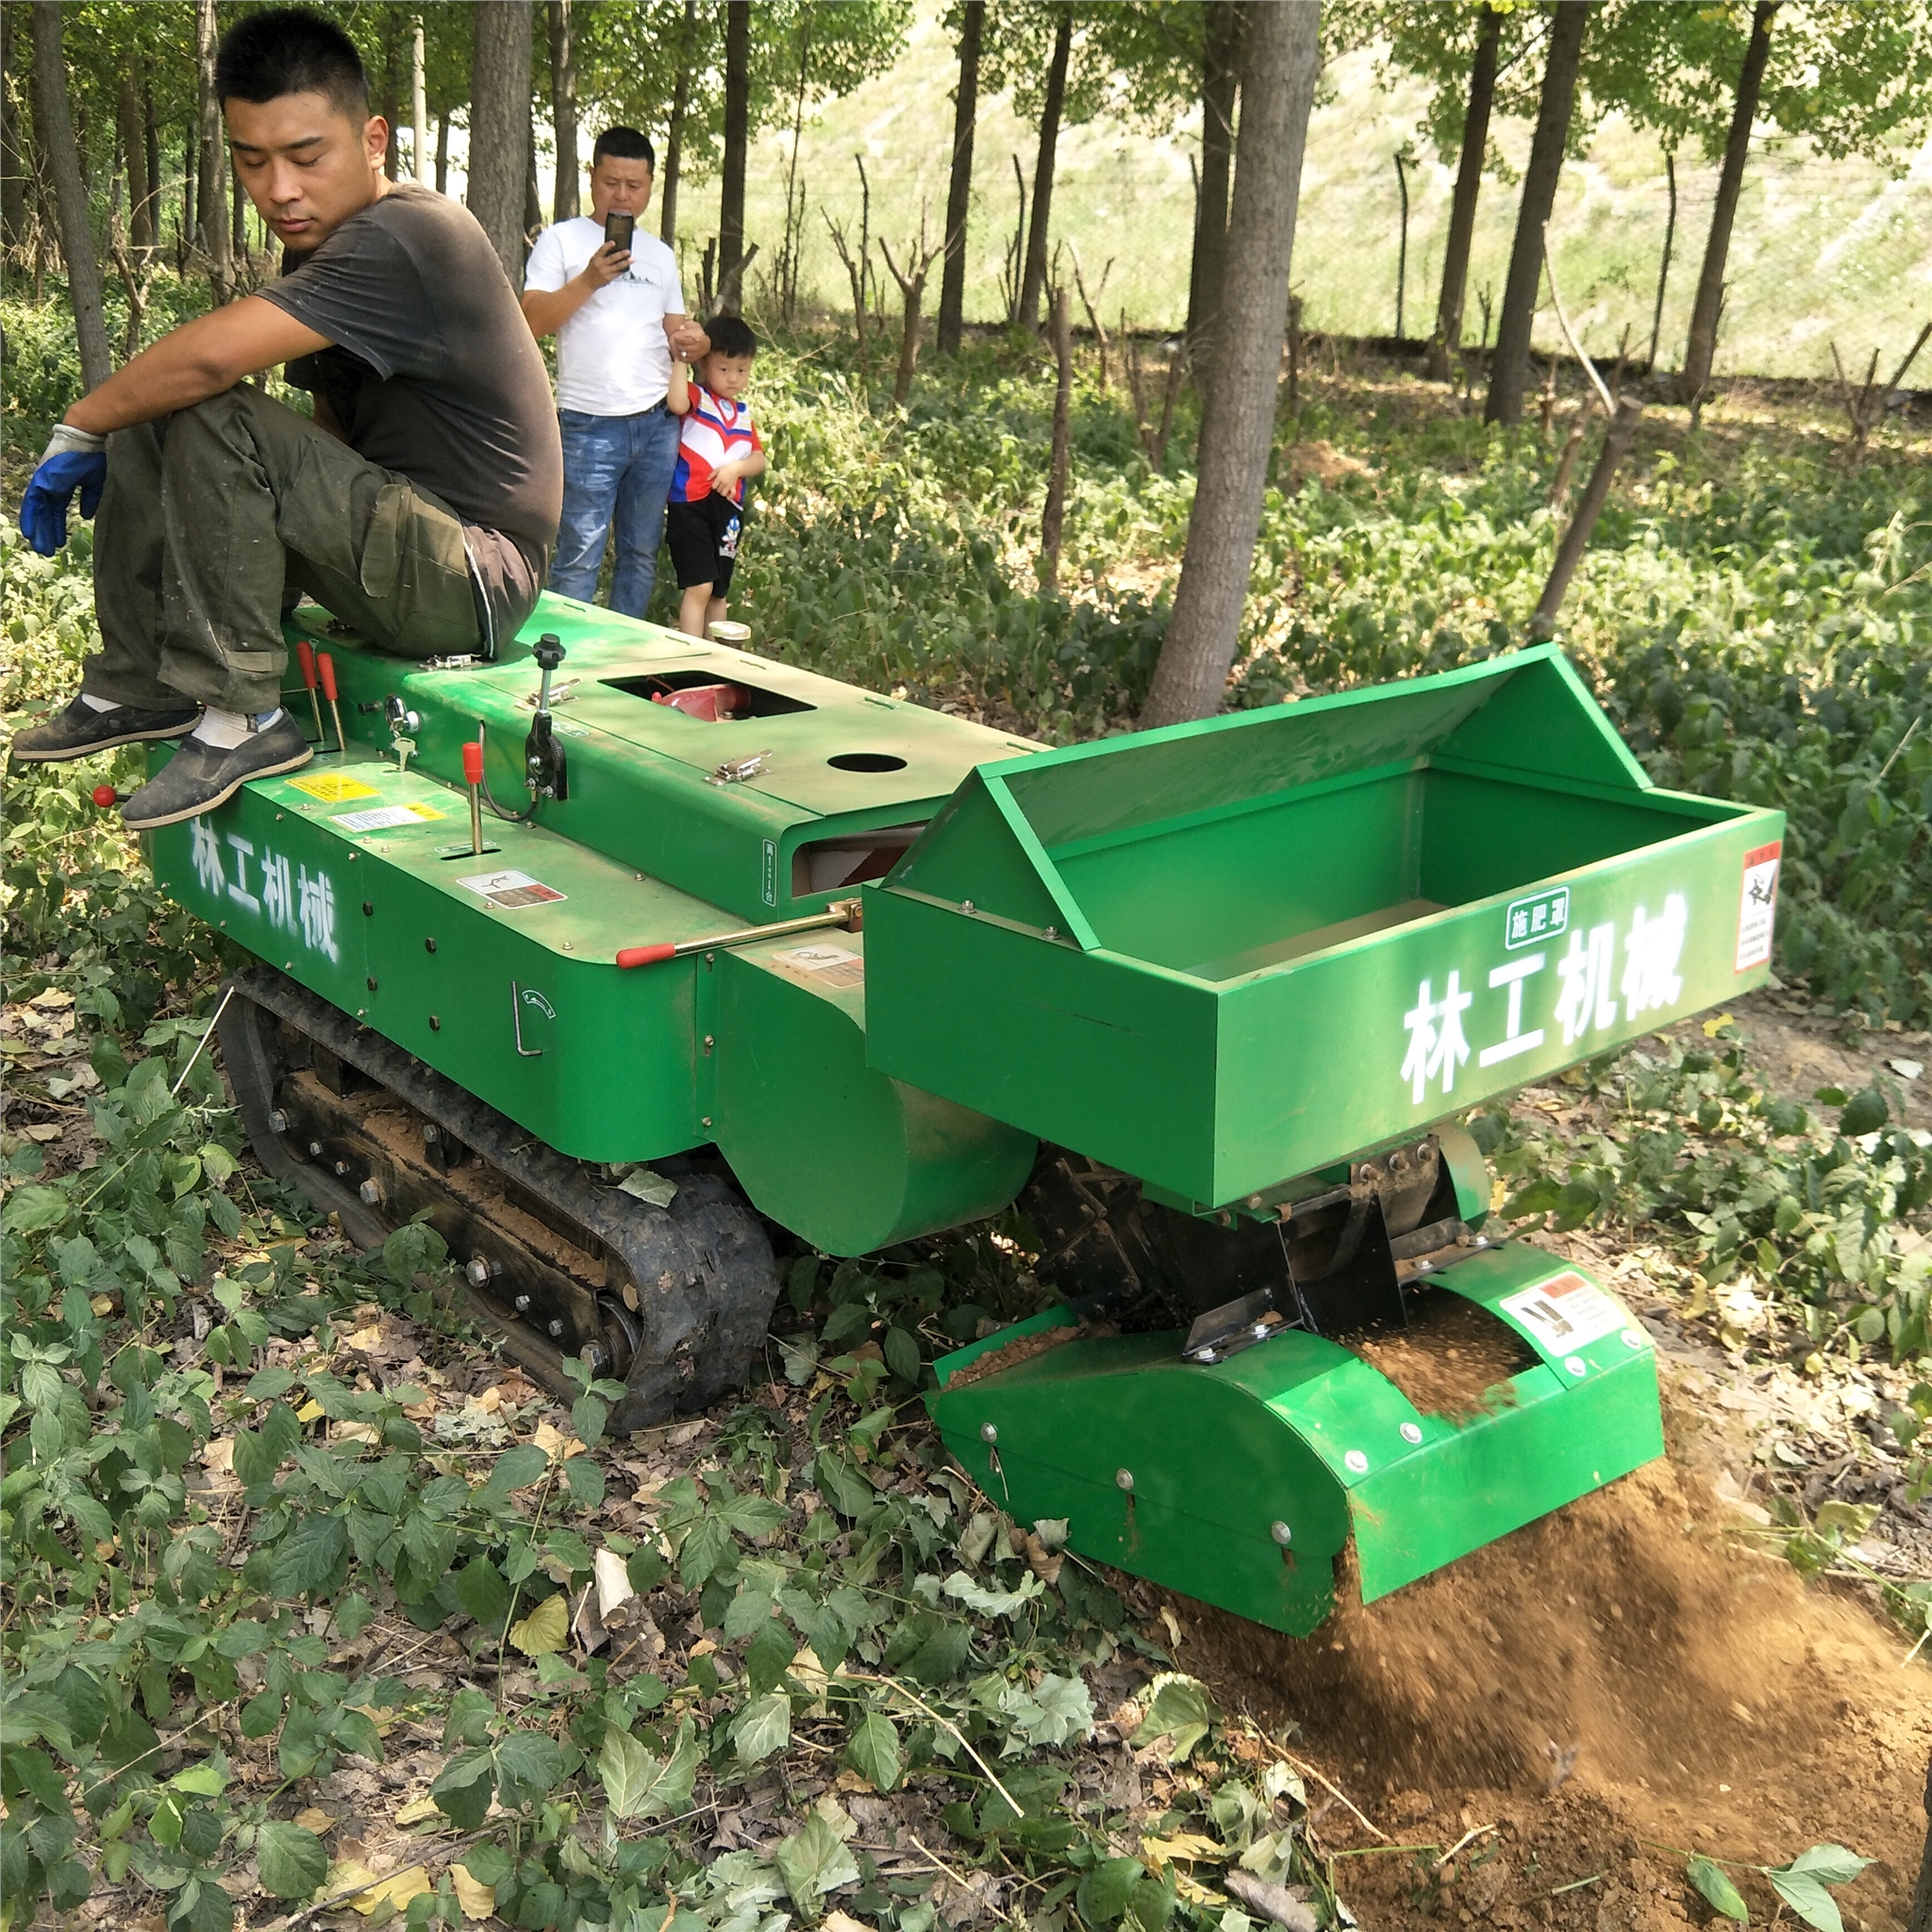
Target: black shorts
x,y
703,537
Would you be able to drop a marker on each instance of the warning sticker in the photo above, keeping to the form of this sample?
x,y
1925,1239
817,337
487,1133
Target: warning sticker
x,y
1757,905
510,890
385,816
830,965
334,787
1566,1313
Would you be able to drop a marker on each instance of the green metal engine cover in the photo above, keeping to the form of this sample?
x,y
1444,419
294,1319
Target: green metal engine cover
x,y
1241,1483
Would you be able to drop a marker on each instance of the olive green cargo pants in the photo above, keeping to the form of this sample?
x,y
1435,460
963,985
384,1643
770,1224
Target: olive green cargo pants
x,y
215,517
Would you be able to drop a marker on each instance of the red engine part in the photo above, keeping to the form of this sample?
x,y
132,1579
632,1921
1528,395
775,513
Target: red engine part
x,y
713,703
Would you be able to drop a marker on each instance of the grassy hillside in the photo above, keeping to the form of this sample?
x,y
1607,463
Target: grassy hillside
x,y
1822,248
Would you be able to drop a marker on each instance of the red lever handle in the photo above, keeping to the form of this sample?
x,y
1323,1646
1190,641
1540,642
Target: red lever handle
x,y
104,796
325,665
645,955
472,764
305,656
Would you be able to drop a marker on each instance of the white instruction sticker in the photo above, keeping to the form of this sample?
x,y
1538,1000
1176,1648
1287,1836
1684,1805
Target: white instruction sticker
x,y
384,816
511,889
1757,905
835,965
1565,1313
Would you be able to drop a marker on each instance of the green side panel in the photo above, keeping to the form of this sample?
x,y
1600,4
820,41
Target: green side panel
x,y
1301,1433
969,849
1083,1049
1542,718
847,1157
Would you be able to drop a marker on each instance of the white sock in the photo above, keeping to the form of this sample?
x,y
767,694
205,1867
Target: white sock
x,y
224,730
94,704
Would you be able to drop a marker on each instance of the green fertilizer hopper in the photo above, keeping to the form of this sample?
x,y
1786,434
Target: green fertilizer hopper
x,y
1204,1005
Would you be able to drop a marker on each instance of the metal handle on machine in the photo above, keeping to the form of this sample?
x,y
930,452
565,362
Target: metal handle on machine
x,y
845,913
516,1022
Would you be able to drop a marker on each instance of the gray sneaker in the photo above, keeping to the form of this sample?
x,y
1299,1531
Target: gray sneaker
x,y
79,730
200,775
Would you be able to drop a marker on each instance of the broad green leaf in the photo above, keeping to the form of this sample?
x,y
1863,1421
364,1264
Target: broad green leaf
x,y
751,1516
1104,1892
873,1749
34,1209
482,1592
310,1557
762,1728
1806,1896
291,1861
707,1545
468,1722
1065,1711
1181,1709
201,1904
813,1861
941,1657
464,1788
204,1780
516,1469
584,1478
768,1657
749,1612
1714,1882
544,1631
643,1785
529,1765
1829,1864
902,1355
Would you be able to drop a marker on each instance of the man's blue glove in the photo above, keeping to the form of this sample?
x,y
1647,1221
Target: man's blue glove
x,y
74,459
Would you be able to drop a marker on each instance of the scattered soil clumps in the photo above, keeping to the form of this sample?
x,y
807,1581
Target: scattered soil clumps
x,y
1025,1348
1454,1359
1612,1679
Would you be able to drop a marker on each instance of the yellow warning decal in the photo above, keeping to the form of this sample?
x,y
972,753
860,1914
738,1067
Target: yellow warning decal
x,y
334,787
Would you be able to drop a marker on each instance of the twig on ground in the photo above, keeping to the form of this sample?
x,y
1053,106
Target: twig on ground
x,y
1467,1838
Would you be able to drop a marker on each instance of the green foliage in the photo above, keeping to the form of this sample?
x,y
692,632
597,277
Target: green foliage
x,y
1803,1887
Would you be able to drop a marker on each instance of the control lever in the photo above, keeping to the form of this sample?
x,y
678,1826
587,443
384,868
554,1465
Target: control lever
x,y
543,758
305,656
326,670
472,777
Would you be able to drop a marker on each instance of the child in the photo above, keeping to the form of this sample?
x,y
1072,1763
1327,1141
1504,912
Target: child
x,y
717,449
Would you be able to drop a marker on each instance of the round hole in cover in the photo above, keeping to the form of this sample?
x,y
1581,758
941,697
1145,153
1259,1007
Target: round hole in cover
x,y
866,761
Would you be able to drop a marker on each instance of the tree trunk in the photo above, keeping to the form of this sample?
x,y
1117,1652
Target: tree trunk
x,y
563,100
1035,283
500,128
1278,70
1220,76
54,130
1059,470
210,203
442,151
1617,439
12,170
391,108
959,189
533,202
1469,178
736,135
674,138
151,151
1509,366
184,238
419,107
1702,345
1663,267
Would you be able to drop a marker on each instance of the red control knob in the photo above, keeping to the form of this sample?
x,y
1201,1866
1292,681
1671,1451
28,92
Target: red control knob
x,y
305,656
105,796
473,763
325,667
645,955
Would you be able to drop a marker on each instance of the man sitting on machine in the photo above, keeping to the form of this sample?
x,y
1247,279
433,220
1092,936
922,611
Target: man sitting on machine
x,y
419,505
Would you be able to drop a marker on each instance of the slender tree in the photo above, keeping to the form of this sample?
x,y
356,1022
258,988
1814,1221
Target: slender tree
x,y
1283,56
500,132
1468,176
1220,78
53,131
12,171
1701,347
1035,282
736,135
959,188
563,108
674,138
1509,366
211,202
140,210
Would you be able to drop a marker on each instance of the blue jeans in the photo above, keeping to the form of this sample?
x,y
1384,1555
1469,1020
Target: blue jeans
x,y
616,472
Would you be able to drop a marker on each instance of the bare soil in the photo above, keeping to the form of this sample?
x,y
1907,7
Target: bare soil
x,y
1453,1358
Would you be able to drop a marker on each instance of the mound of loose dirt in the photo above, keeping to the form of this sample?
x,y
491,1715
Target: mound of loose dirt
x,y
1453,1358
1613,1674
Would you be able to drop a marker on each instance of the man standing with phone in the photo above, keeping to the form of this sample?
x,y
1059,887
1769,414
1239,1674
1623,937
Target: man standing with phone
x,y
611,294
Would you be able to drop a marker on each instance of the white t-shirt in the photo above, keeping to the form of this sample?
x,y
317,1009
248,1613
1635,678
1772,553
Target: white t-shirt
x,y
612,356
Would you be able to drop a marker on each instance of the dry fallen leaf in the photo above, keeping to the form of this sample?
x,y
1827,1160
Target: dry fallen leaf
x,y
310,1411
477,1901
395,1891
364,1338
219,1454
316,1820
1174,1625
555,1444
419,1811
541,1633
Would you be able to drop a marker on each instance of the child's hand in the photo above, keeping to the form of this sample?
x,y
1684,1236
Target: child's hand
x,y
725,478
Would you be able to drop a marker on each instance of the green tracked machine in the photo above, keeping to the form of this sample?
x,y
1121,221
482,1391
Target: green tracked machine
x,y
1206,1003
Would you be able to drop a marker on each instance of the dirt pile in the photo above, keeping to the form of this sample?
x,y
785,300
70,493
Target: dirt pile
x,y
1617,1673
1451,1358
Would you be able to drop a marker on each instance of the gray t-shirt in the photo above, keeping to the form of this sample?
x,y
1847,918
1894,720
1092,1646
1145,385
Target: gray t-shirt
x,y
433,374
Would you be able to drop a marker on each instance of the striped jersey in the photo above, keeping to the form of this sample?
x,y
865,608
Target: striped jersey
x,y
716,431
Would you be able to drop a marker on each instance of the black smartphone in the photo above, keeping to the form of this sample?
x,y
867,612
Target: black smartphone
x,y
618,229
